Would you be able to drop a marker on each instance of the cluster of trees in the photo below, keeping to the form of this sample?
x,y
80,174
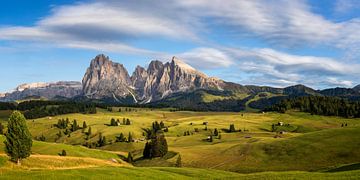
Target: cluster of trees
x,y
320,105
122,138
7,106
62,123
54,110
114,122
41,138
156,145
127,109
70,127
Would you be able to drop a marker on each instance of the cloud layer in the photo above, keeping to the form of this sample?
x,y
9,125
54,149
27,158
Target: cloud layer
x,y
118,26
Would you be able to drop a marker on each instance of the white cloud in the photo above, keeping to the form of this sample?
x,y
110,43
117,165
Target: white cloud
x,y
206,58
282,69
346,6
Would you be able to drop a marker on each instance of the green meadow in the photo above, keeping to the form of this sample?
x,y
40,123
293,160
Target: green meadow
x,y
305,146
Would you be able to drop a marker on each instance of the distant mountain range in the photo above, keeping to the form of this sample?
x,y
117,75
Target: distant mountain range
x,y
167,83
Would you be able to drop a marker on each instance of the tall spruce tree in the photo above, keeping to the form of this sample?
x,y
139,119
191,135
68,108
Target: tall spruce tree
x,y
18,138
178,161
84,125
130,158
130,138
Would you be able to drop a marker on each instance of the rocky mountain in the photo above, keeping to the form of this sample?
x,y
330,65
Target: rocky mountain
x,y
105,79
167,84
64,89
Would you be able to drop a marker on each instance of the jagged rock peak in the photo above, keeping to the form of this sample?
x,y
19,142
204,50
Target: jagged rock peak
x,y
104,79
176,62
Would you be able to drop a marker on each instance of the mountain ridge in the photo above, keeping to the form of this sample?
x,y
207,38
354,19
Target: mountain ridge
x,y
110,81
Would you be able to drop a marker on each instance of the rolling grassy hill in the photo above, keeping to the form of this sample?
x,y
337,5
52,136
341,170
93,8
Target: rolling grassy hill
x,y
311,143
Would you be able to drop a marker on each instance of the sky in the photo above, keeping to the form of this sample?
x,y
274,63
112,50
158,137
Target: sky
x,y
259,42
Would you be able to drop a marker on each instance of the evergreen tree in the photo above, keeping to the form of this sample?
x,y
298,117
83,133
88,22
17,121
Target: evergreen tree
x,y
130,158
232,128
89,131
119,109
63,152
1,129
130,138
162,125
74,126
216,133
157,144
178,161
120,138
147,150
211,138
84,125
18,138
112,122
128,121
102,140
124,121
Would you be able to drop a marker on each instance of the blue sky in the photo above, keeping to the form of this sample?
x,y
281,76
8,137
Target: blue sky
x,y
261,42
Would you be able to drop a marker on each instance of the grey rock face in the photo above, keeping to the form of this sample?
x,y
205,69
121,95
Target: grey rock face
x,y
67,89
106,79
175,76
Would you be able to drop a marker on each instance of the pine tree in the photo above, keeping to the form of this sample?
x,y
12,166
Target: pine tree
x,y
84,125
147,150
63,152
18,138
130,138
211,138
89,131
232,128
216,133
74,126
128,121
162,125
130,158
120,138
102,140
112,122
178,161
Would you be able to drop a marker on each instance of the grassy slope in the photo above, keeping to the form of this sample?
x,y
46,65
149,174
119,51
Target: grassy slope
x,y
45,148
169,173
318,144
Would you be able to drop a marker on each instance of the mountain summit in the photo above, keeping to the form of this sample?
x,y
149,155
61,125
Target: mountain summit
x,y
105,79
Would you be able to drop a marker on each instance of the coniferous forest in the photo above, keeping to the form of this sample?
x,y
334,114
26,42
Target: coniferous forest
x,y
319,105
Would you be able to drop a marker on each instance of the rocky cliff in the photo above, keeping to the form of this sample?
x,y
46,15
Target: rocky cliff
x,y
66,89
106,79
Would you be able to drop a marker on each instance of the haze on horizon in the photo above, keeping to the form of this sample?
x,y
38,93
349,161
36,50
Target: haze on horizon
x,y
275,43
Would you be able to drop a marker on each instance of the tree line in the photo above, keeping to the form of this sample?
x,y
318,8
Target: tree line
x,y
319,105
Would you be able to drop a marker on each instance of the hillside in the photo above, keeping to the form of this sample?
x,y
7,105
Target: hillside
x,y
256,148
